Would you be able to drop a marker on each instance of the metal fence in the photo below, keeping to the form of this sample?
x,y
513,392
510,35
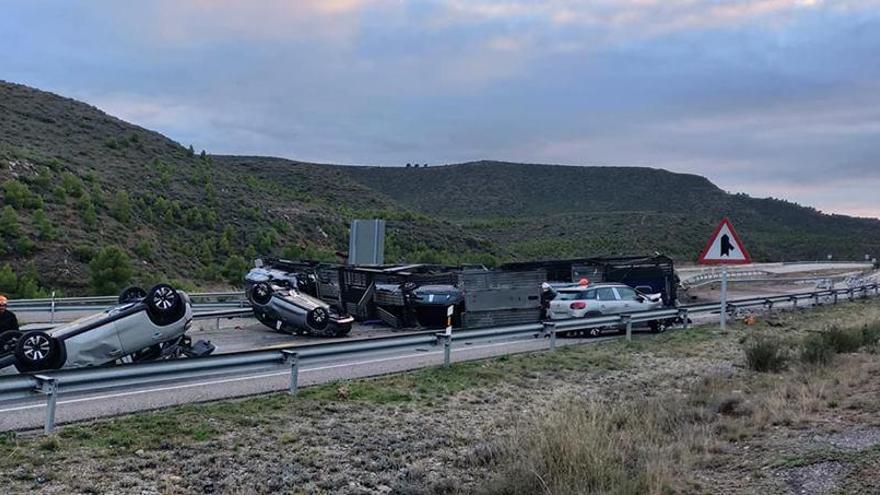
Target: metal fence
x,y
53,383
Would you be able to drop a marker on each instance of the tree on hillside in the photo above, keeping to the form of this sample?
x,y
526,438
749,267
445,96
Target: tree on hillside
x,y
9,226
110,271
120,208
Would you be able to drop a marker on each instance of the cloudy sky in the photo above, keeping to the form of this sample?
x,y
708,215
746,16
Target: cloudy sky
x,y
769,97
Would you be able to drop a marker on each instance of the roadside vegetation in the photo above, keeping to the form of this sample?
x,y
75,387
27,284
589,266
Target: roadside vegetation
x,y
789,408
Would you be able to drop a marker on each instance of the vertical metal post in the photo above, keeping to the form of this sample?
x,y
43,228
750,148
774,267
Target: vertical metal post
x,y
218,323
48,386
447,350
683,316
627,320
815,299
794,303
550,331
52,309
835,296
723,297
851,294
292,359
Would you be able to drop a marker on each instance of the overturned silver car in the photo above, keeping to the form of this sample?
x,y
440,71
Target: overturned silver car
x,y
280,303
144,326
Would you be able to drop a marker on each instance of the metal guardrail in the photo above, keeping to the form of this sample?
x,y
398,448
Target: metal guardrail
x,y
53,383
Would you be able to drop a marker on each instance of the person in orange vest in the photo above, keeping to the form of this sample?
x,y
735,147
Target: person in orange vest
x,y
8,321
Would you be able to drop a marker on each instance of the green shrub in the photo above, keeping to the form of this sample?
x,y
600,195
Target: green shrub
x,y
18,195
120,207
9,226
110,271
765,354
72,184
817,349
234,270
144,249
844,340
871,335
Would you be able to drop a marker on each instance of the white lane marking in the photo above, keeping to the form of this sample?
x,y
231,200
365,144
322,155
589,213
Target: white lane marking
x,y
242,378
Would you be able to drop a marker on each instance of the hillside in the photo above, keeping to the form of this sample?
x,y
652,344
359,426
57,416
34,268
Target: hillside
x,y
76,181
552,210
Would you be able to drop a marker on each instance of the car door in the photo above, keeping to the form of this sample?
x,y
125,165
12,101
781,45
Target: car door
x,y
629,300
608,302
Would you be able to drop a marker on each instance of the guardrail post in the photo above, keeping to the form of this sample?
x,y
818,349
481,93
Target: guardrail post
x,y
815,299
218,323
550,330
794,302
447,348
627,320
292,358
48,386
683,316
52,309
851,294
835,296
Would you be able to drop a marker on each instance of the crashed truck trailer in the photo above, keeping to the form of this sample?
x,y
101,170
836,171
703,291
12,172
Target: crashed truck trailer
x,y
418,295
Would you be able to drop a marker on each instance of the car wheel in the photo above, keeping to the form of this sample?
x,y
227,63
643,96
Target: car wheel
x,y
8,340
658,326
318,318
261,294
595,332
36,351
164,304
132,294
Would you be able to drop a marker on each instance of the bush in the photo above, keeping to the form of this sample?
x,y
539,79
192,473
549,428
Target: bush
x,y
144,249
234,270
110,271
9,226
765,354
844,340
817,350
120,207
870,335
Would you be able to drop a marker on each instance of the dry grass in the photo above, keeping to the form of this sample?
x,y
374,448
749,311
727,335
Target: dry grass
x,y
656,446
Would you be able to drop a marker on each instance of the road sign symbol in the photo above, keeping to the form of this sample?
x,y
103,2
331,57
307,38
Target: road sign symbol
x,y
725,247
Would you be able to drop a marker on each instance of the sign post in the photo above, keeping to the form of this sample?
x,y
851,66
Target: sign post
x,y
724,248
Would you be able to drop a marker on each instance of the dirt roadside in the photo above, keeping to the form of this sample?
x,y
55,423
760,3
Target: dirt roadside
x,y
449,431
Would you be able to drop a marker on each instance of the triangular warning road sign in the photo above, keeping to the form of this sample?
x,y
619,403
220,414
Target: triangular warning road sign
x,y
725,247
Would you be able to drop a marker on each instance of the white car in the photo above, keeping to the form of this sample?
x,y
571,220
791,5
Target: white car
x,y
144,326
605,299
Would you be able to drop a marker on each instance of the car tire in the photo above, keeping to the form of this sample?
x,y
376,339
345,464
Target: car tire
x,y
132,294
595,332
8,340
37,351
164,304
261,294
318,319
